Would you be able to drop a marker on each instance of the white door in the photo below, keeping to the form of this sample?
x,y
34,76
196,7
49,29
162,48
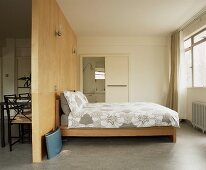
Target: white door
x,y
116,73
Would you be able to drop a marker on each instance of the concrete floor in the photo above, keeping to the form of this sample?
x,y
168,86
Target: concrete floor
x,y
137,153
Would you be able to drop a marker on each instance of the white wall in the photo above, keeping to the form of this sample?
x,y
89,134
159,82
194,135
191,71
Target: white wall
x,y
148,63
23,62
8,54
194,94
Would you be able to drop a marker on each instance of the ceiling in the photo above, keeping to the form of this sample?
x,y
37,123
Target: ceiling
x,y
105,17
15,18
128,17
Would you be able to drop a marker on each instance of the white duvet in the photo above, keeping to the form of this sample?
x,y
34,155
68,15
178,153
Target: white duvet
x,y
123,115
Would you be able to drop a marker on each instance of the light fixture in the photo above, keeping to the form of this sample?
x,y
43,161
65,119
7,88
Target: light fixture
x,y
58,33
74,51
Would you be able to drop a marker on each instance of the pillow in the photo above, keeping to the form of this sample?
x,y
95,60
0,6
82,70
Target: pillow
x,y
64,104
74,101
82,96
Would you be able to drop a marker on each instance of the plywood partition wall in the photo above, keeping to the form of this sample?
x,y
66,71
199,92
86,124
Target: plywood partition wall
x,y
55,67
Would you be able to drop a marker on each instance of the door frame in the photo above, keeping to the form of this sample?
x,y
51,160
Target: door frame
x,y
105,55
81,67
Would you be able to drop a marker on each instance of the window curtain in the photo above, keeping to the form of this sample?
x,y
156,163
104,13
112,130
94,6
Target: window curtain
x,y
182,85
172,98
177,95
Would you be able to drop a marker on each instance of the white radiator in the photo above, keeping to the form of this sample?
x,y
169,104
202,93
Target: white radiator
x,y
199,115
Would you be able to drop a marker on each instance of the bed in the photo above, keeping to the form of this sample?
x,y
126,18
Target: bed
x,y
117,119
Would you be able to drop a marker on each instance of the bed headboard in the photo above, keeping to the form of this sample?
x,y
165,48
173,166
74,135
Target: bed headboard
x,y
57,111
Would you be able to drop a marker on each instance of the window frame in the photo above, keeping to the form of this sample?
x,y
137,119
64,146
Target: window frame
x,y
193,44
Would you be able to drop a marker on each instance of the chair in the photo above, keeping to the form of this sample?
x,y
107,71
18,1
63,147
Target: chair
x,y
16,116
26,107
26,110
22,95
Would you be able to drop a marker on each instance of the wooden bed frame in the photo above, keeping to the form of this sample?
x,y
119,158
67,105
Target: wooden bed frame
x,y
111,132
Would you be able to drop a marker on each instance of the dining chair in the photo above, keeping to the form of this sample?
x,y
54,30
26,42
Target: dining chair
x,y
16,116
26,107
26,111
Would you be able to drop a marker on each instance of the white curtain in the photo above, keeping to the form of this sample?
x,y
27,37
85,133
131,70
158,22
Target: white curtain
x,y
182,82
177,95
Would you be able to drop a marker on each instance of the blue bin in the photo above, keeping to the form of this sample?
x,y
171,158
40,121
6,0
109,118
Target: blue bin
x,y
53,143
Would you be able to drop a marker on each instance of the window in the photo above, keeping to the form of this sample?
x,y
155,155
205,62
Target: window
x,y
195,53
99,73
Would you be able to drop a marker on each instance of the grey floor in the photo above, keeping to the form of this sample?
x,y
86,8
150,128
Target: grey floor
x,y
137,153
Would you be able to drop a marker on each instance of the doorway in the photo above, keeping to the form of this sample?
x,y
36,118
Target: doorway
x,y
105,78
94,78
15,58
15,46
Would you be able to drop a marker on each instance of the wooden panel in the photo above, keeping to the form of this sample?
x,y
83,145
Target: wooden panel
x,y
77,65
44,75
48,60
57,116
36,144
65,44
53,68
77,74
68,61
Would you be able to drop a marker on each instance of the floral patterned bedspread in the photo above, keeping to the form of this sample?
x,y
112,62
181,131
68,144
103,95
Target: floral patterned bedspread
x,y
123,115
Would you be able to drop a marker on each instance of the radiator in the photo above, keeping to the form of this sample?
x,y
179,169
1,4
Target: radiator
x,y
199,115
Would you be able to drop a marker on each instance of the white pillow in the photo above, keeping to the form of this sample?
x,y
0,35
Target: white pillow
x,y
74,100
83,97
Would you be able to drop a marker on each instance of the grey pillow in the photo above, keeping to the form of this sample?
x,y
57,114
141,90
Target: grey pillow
x,y
64,104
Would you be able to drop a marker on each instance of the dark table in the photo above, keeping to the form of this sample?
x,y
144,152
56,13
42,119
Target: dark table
x,y
2,104
3,108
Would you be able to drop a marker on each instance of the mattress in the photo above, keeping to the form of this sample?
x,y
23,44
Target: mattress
x,y
123,115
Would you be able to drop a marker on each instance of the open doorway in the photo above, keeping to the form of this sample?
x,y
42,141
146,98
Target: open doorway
x,y
15,46
105,78
94,78
15,66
